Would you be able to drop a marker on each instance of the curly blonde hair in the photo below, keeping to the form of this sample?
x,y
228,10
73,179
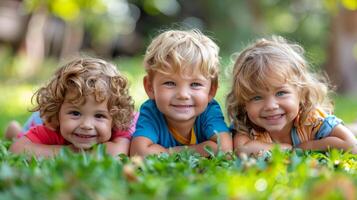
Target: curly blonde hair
x,y
266,61
179,51
83,77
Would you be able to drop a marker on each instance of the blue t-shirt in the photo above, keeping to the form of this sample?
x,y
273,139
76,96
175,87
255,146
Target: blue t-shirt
x,y
152,124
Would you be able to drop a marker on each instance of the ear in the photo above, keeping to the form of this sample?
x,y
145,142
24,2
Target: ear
x,y
148,87
213,91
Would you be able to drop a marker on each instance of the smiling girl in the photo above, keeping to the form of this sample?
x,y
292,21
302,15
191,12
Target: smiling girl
x,y
276,100
85,103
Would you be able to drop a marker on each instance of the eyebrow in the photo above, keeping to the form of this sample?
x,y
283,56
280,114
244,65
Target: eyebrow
x,y
70,105
203,78
102,111
283,87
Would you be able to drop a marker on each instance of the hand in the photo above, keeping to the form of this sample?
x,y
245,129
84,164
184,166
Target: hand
x,y
354,150
286,146
175,149
76,149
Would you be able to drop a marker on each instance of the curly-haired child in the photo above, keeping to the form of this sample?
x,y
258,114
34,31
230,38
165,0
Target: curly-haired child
x,y
275,99
85,103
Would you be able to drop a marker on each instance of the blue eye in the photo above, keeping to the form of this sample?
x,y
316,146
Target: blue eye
x,y
195,84
281,93
256,98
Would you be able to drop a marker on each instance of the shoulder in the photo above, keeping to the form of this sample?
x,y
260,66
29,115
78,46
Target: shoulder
x,y
318,124
150,113
126,133
149,106
213,102
212,111
150,120
315,117
44,135
213,106
41,130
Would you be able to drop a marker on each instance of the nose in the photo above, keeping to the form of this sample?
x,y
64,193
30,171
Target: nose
x,y
183,93
271,104
86,123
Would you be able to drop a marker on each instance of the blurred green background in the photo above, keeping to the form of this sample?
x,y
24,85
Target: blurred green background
x,y
37,35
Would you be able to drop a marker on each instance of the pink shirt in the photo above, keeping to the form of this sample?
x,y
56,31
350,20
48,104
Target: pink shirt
x,y
43,135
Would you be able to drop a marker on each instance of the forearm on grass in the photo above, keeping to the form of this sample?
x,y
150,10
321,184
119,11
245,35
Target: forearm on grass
x,y
117,146
26,146
340,138
199,148
328,142
142,146
243,144
225,140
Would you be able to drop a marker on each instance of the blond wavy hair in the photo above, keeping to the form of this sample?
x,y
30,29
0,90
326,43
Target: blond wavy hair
x,y
263,63
183,52
83,77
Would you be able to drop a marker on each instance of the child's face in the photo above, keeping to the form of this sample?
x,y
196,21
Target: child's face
x,y
85,125
180,98
275,109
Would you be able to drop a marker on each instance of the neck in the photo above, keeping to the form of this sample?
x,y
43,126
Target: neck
x,y
283,136
184,128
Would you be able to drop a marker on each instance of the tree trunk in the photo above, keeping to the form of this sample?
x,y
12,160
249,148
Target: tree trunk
x,y
341,63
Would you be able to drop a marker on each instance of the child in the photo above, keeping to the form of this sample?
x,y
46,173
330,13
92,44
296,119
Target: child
x,y
181,81
85,103
275,99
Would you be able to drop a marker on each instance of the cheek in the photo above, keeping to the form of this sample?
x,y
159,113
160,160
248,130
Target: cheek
x,y
201,95
250,108
297,108
253,112
163,97
65,125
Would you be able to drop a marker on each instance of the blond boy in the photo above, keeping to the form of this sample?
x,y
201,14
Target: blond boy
x,y
181,81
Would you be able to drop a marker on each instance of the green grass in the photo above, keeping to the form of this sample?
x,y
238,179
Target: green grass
x,y
346,108
279,175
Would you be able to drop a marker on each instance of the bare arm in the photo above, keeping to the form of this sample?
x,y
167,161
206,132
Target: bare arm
x,y
143,146
225,139
225,145
26,146
117,146
340,138
199,148
243,144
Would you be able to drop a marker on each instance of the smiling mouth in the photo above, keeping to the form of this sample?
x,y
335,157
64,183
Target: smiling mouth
x,y
182,106
84,136
273,117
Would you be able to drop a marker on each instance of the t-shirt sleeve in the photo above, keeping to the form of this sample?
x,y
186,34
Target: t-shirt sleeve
x,y
32,121
43,135
214,120
127,133
328,124
148,122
